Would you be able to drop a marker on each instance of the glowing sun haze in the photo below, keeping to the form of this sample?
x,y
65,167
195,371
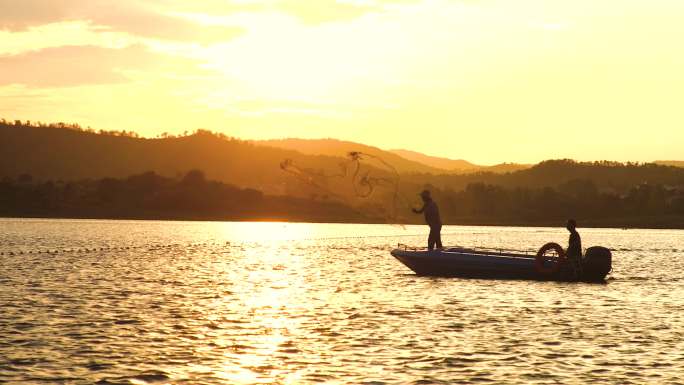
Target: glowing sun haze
x,y
483,80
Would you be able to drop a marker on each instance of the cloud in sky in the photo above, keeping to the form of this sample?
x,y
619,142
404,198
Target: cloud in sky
x,y
309,12
69,66
159,19
130,16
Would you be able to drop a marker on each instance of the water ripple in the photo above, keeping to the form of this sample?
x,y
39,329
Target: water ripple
x,y
194,303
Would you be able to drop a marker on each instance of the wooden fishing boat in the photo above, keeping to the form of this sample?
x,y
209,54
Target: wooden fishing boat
x,y
594,266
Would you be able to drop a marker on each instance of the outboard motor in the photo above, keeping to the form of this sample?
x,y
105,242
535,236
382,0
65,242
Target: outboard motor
x,y
597,263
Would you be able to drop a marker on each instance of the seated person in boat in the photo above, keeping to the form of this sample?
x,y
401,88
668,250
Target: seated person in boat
x,y
431,212
575,241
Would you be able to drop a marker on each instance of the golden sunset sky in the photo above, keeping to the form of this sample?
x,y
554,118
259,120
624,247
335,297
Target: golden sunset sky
x,y
483,80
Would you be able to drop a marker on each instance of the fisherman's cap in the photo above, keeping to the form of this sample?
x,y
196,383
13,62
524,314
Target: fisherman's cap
x,y
425,193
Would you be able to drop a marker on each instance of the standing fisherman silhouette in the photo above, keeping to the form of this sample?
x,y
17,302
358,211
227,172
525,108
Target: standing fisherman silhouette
x,y
574,251
575,241
432,218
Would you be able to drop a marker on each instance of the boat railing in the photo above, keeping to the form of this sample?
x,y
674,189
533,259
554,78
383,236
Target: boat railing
x,y
504,250
498,250
406,247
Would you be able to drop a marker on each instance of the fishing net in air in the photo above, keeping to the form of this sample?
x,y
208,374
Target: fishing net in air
x,y
361,180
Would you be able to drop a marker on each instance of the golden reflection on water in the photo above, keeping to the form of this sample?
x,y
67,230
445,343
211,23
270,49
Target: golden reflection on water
x,y
272,300
269,231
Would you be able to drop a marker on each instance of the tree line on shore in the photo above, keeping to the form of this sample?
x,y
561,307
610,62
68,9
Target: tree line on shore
x,y
151,196
643,205
194,197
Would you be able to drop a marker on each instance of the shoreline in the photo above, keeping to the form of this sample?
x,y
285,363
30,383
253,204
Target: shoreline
x,y
624,224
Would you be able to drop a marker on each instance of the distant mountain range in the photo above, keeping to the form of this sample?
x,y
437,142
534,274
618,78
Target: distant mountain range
x,y
340,148
404,161
68,153
446,164
674,163
458,166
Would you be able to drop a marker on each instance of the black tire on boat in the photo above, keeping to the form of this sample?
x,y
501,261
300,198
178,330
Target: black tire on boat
x,y
541,258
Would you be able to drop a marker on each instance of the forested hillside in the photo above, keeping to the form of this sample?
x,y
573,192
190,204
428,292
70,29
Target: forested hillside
x,y
63,152
600,193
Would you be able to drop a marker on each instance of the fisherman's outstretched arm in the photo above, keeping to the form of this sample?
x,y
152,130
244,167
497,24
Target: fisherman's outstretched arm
x,y
419,211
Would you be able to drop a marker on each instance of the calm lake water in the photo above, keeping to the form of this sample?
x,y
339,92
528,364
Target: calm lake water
x,y
273,303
